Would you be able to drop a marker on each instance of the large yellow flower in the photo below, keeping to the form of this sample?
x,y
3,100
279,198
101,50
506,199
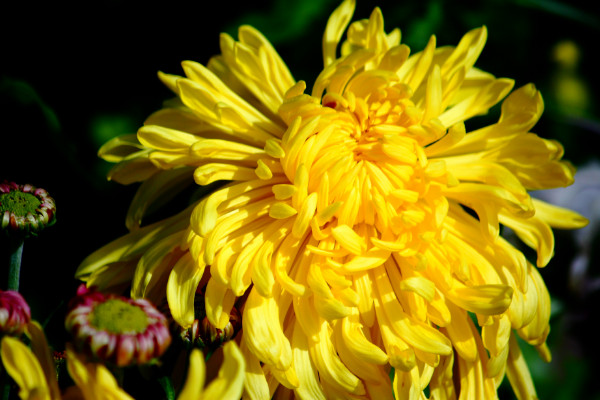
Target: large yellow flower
x,y
358,228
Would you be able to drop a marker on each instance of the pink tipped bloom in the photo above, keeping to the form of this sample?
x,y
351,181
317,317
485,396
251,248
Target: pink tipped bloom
x,y
14,313
25,208
116,329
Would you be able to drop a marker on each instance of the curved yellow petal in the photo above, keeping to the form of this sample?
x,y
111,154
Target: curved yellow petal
x,y
155,192
337,23
483,299
118,148
331,369
181,288
154,266
518,372
133,244
558,217
24,368
194,384
39,346
257,66
94,380
264,335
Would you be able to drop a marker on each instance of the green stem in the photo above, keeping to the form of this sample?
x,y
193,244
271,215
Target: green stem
x,y
119,374
5,383
14,268
167,386
6,391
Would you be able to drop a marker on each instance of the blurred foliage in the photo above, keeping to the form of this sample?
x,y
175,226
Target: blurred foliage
x,y
71,79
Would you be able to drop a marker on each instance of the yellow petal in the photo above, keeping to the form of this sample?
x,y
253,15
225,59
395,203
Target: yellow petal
x,y
133,244
284,191
483,299
366,371
256,64
466,52
305,215
215,103
356,341
218,149
461,334
281,210
154,266
330,367
94,380
205,215
256,386
155,192
422,286
218,303
477,104
209,173
136,167
495,336
337,23
161,138
558,217
518,372
309,386
419,335
194,383
263,332
349,239
242,269
228,385
39,346
181,288
262,275
372,258
536,330
24,368
118,148
535,233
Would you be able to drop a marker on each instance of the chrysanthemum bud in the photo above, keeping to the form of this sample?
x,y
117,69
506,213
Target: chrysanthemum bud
x,y
25,208
116,329
14,313
202,334
216,337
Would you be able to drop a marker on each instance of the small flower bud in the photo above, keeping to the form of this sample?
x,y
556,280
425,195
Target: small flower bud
x,y
116,329
25,209
14,313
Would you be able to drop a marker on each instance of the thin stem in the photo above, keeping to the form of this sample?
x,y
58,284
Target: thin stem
x,y
119,374
5,383
167,386
14,268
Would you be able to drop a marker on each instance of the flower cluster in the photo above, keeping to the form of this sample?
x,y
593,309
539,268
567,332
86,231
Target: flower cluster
x,y
34,370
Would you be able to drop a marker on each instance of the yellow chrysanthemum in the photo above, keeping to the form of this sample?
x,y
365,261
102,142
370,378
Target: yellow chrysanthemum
x,y
358,228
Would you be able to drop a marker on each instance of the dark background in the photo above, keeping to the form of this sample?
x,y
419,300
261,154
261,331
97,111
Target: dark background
x,y
73,76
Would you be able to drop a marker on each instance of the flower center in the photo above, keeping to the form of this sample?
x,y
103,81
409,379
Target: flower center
x,y
19,203
117,316
358,162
